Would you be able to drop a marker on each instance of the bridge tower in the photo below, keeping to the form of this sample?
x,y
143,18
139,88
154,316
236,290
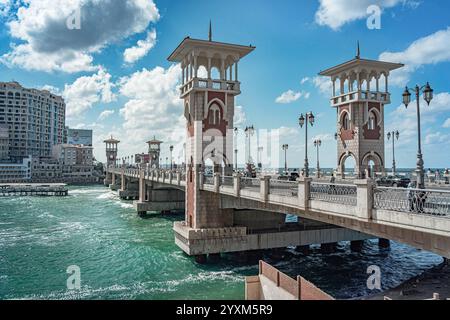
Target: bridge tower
x,y
360,93
111,151
209,87
154,151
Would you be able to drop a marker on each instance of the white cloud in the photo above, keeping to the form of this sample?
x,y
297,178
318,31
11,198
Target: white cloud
x,y
133,54
304,80
405,120
306,95
436,138
240,117
46,44
86,91
323,84
105,114
5,7
288,97
431,49
446,123
153,108
336,13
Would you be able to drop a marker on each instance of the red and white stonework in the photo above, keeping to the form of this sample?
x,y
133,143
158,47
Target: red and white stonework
x,y
360,101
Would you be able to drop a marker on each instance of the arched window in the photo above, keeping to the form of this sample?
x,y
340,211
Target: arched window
x,y
345,121
214,115
372,121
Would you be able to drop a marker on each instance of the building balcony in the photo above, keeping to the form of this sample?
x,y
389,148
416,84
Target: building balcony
x,y
210,84
361,96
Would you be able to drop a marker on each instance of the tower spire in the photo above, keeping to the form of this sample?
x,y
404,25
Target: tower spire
x,y
358,51
210,31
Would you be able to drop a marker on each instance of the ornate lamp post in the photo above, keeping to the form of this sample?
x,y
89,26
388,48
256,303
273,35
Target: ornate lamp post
x,y
285,148
428,96
249,132
260,150
171,150
318,144
303,121
394,135
236,130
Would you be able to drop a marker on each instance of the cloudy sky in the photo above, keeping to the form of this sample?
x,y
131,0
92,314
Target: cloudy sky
x,y
115,78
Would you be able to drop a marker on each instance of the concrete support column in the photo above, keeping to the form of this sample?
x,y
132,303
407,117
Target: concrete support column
x,y
356,246
178,177
364,202
304,187
142,186
201,179
328,247
237,184
216,182
264,188
122,181
113,178
384,243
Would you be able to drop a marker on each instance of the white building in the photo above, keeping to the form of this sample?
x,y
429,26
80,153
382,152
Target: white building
x,y
16,172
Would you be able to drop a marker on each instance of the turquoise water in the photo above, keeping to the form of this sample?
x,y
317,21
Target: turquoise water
x,y
122,256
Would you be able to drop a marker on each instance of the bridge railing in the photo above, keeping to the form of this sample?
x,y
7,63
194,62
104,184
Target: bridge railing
x,y
283,188
335,193
208,179
253,184
417,201
227,181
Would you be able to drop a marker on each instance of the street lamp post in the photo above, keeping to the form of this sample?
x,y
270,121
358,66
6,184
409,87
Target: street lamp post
x,y
303,121
318,144
260,150
235,149
394,135
285,148
171,150
249,131
428,96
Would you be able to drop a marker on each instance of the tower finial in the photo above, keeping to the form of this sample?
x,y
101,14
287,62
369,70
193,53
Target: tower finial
x,y
358,52
210,31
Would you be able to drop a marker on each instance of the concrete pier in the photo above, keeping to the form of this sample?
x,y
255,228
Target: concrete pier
x,y
34,189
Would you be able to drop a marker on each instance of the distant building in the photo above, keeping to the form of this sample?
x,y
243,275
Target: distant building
x,y
46,169
35,120
16,172
77,161
4,143
79,137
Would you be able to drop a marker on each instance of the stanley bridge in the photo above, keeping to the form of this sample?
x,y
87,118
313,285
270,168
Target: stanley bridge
x,y
226,212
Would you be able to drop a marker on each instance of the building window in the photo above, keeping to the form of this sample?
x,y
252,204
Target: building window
x,y
214,115
346,121
372,121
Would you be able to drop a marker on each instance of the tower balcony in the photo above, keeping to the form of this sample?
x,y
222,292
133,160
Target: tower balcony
x,y
361,96
233,87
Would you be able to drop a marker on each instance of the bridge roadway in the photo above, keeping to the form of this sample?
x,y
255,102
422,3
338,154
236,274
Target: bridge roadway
x,y
420,218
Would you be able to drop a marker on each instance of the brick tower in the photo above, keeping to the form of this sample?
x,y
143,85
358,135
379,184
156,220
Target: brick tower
x,y
209,86
111,151
359,99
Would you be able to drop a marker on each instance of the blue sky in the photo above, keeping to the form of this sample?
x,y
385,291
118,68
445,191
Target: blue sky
x,y
116,80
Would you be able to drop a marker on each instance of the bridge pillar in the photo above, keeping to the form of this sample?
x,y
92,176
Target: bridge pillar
x,y
304,187
265,187
328,247
108,178
364,198
384,243
237,184
113,178
122,180
216,182
356,245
